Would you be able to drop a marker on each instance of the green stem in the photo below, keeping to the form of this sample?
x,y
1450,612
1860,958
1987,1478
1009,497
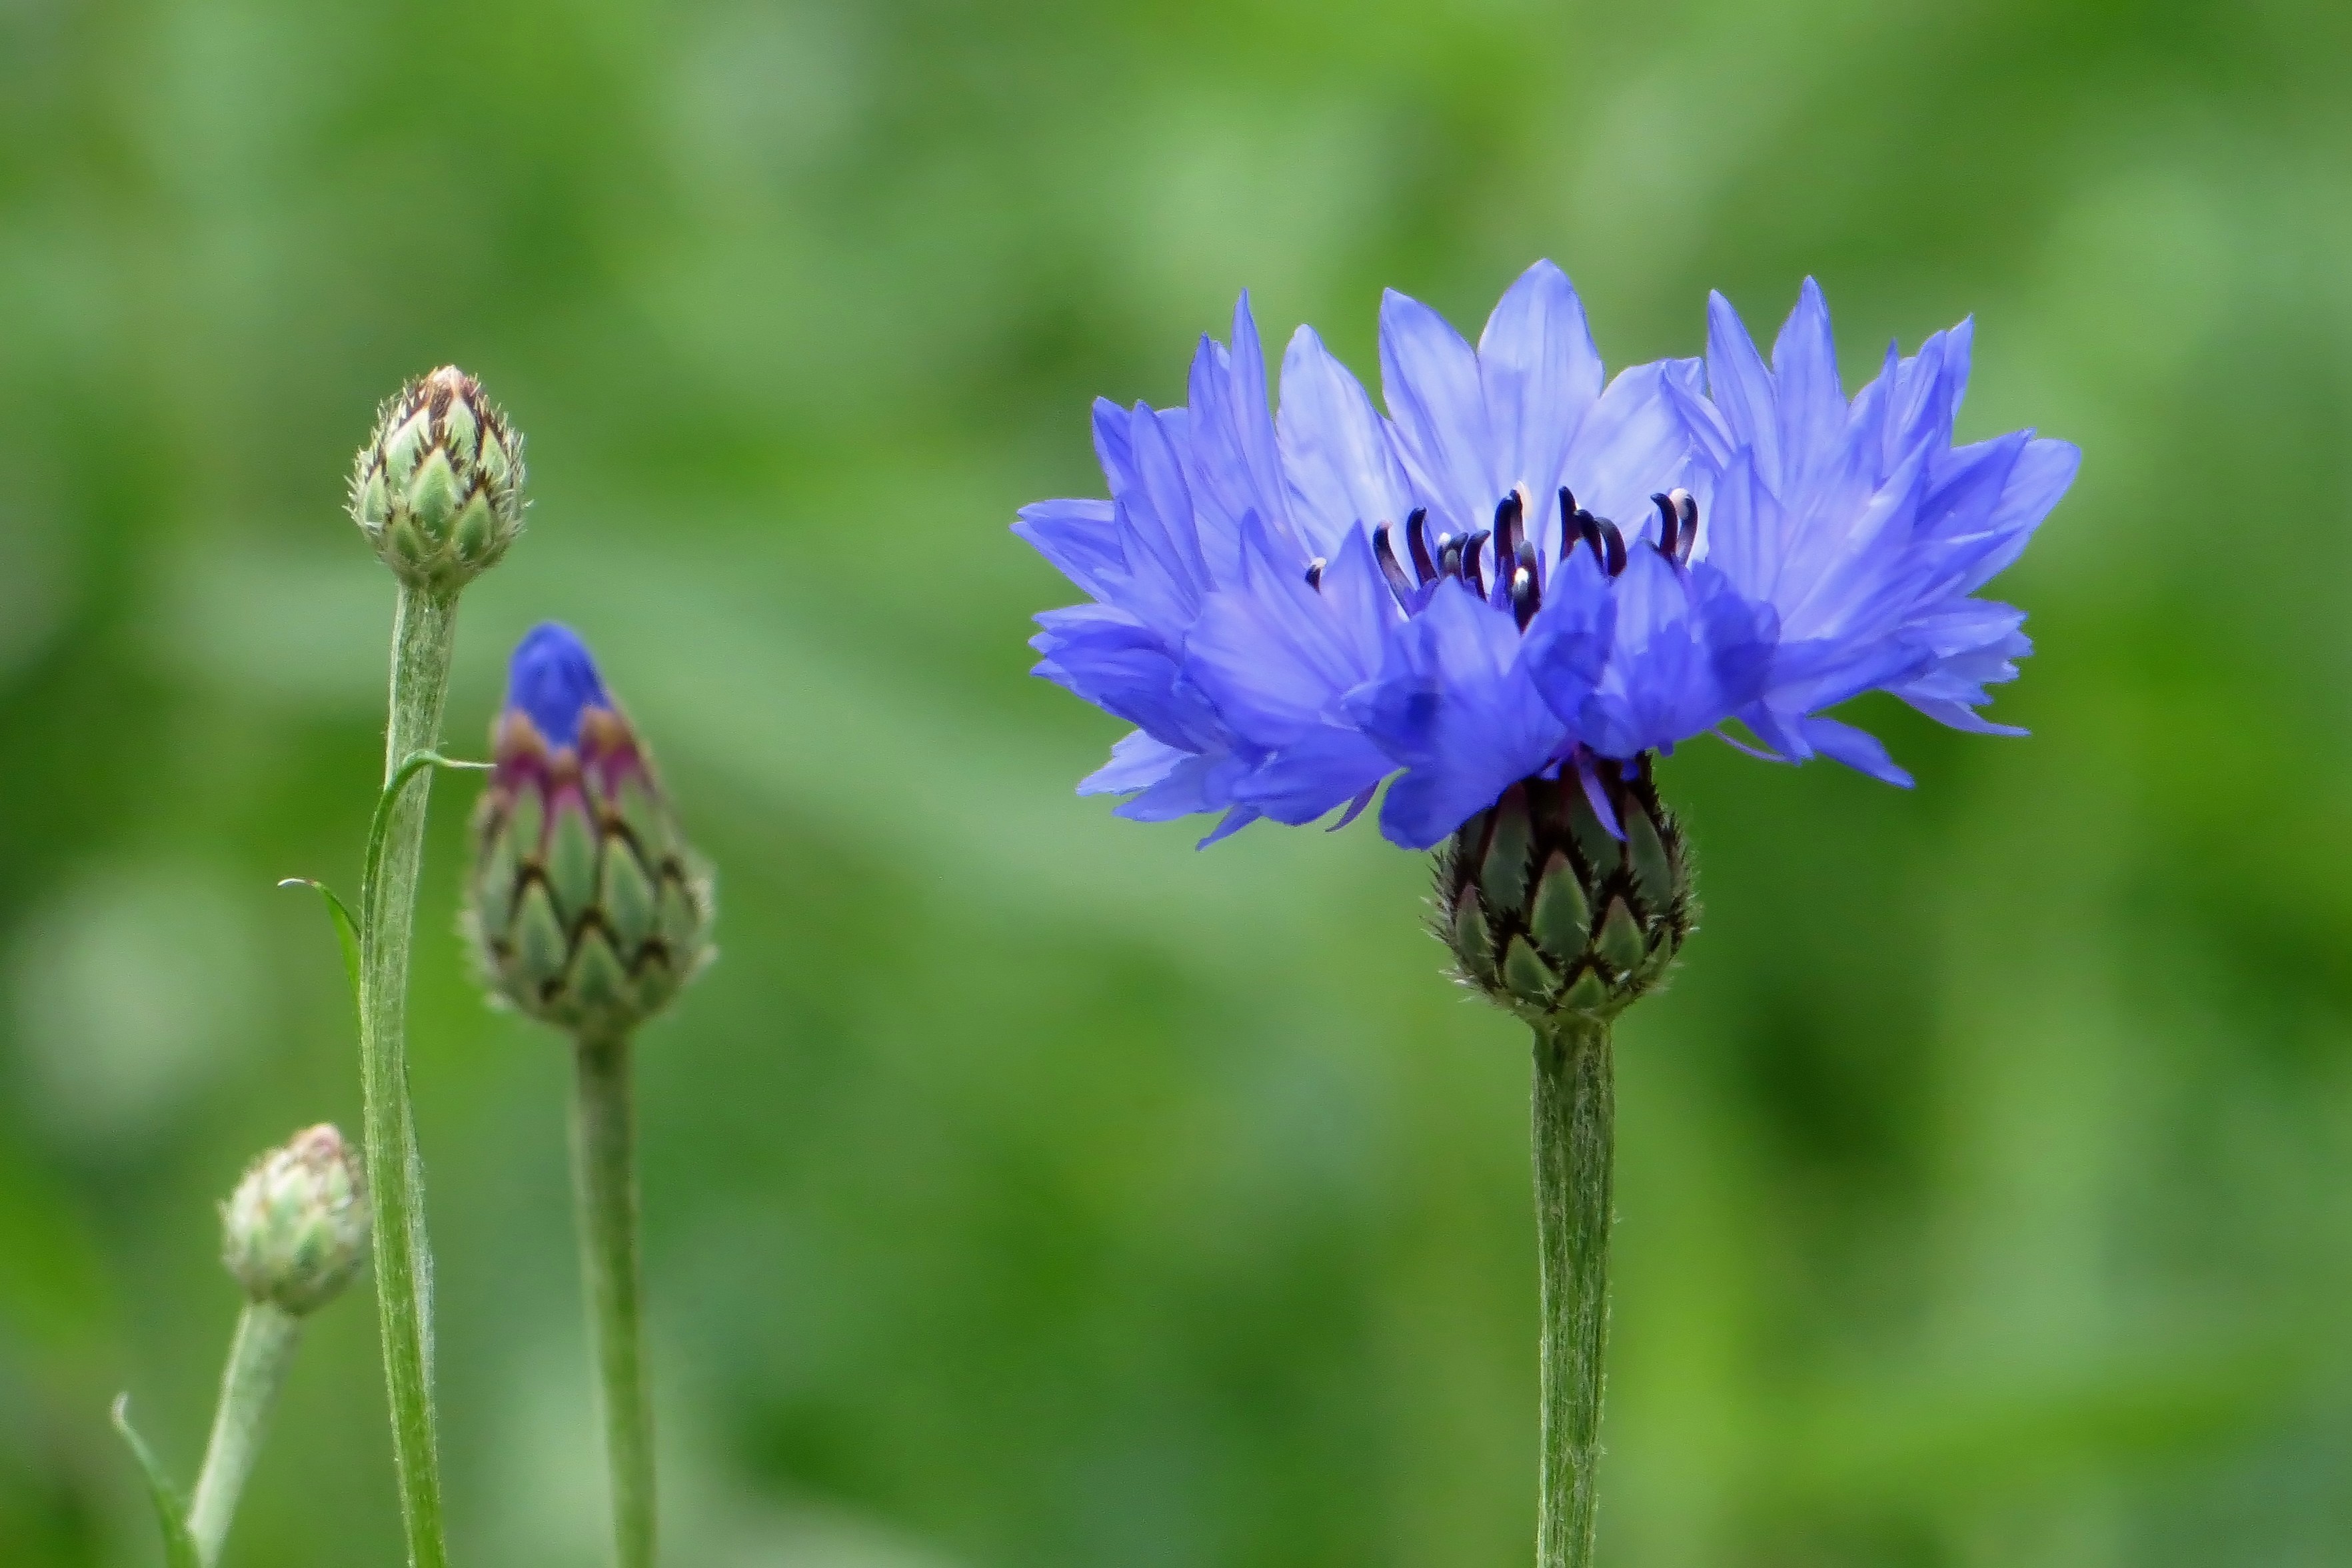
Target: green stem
x,y
1575,1117
259,1358
605,1188
424,630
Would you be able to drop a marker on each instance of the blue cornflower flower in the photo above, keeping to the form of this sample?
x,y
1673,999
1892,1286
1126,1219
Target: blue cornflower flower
x,y
1509,576
1292,609
1862,530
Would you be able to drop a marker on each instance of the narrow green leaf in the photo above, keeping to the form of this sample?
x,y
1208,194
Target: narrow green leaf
x,y
346,930
415,762
171,1513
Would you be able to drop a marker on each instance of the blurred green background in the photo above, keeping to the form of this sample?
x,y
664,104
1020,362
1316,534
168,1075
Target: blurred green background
x,y
1023,1189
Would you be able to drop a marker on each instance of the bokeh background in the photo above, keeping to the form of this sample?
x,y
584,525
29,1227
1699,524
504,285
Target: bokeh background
x,y
1023,1189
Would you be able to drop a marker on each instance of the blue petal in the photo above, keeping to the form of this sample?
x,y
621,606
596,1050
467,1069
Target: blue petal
x,y
1137,762
1540,373
1567,647
1856,748
1805,378
1270,652
1634,441
1080,539
1196,784
1458,708
1429,377
1741,389
1959,717
1326,767
552,680
1107,657
1340,471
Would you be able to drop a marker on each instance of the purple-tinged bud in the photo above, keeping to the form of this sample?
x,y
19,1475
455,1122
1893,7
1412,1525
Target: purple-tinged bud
x,y
438,491
587,908
1549,915
296,1229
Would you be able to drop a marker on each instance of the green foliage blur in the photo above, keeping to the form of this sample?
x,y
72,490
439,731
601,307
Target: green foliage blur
x,y
1023,1189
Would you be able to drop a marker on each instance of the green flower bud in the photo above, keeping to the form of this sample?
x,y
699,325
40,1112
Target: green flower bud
x,y
438,491
586,908
296,1229
1551,915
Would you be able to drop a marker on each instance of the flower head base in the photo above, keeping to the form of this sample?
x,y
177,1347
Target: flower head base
x,y
438,491
296,1229
1557,911
587,908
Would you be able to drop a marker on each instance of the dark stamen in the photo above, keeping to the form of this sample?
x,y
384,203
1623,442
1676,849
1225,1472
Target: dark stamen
x,y
1670,520
1531,560
1416,539
1449,556
1473,572
1315,573
1384,552
1526,596
1509,514
1614,544
1588,529
1686,507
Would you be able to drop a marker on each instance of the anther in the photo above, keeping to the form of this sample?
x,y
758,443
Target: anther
x,y
1416,539
1669,522
1315,573
1526,596
1611,547
1449,556
1588,530
1509,512
1686,507
1472,572
1384,552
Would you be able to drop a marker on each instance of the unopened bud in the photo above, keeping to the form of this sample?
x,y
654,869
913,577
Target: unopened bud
x,y
587,908
1550,915
296,1229
438,491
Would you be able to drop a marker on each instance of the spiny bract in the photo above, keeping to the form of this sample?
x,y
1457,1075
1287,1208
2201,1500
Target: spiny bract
x,y
438,491
1552,913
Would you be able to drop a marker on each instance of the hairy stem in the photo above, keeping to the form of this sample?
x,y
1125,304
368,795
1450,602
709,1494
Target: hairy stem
x,y
424,630
605,1189
259,1358
1575,1116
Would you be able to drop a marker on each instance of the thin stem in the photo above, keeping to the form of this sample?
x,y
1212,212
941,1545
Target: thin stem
x,y
1575,1116
424,630
259,1358
605,1189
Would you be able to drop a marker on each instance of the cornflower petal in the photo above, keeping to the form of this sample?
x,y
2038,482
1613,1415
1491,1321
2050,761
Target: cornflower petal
x,y
1458,706
1862,525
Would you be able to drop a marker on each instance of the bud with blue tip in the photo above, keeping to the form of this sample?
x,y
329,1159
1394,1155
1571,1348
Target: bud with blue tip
x,y
438,490
296,1229
587,908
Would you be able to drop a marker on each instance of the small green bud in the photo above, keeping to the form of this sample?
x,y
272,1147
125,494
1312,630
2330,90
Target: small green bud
x,y
438,491
1548,914
296,1229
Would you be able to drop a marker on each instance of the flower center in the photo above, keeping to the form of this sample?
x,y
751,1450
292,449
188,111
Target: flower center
x,y
1517,560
